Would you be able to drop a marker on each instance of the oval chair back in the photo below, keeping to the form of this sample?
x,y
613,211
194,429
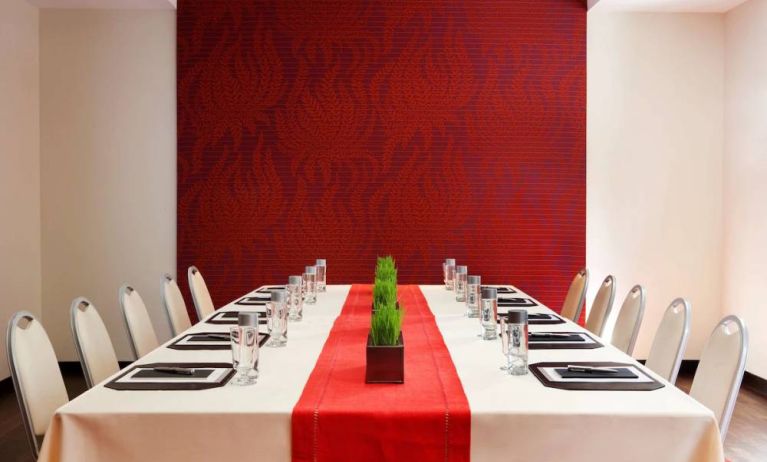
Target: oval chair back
x,y
36,376
137,322
203,304
94,347
629,320
175,307
720,371
602,306
670,340
573,304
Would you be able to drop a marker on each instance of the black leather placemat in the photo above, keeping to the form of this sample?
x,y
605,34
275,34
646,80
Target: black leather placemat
x,y
540,319
269,289
597,384
564,343
200,337
229,318
623,373
152,374
502,290
175,385
553,337
252,301
516,302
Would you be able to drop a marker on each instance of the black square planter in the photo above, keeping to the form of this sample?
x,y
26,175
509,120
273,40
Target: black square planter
x,y
384,363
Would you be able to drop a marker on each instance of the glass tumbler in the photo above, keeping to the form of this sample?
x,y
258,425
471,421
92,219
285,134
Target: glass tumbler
x,y
461,273
504,341
310,285
244,341
449,270
277,319
295,301
489,313
516,332
473,285
322,271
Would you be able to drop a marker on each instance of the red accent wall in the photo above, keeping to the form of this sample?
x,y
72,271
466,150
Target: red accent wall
x,y
351,129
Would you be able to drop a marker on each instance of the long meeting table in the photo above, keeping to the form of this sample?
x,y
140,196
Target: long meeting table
x,y
512,417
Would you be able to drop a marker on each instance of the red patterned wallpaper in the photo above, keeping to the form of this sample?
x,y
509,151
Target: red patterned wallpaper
x,y
350,129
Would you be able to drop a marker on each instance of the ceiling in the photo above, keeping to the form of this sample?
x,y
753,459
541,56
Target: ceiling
x,y
676,6
107,4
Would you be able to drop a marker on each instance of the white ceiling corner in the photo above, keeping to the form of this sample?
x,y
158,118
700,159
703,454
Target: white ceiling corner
x,y
668,6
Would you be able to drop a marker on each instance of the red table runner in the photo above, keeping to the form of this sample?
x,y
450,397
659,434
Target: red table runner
x,y
339,417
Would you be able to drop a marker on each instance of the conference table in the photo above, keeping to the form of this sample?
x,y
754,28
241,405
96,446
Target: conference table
x,y
311,403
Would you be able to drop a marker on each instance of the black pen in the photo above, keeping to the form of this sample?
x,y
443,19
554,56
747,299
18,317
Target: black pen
x,y
590,369
174,370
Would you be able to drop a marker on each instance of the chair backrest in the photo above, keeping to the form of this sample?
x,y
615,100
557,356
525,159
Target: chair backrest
x,y
94,347
140,331
720,371
602,306
36,375
629,320
571,308
670,340
200,295
175,307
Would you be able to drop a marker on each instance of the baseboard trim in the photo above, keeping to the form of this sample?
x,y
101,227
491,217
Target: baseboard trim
x,y
755,383
688,366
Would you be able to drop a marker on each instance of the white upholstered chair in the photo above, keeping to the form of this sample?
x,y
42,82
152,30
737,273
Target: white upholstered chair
x,y
571,308
629,320
92,342
720,371
670,340
200,295
36,376
140,331
602,306
175,307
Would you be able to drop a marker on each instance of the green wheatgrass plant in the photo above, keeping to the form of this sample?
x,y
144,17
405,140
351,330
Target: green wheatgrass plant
x,y
384,293
386,325
386,269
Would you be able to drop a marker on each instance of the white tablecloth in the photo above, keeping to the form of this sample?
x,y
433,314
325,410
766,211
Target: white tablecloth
x,y
513,418
518,419
108,425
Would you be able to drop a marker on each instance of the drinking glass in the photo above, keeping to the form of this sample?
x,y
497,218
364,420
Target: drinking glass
x,y
277,319
460,283
244,341
295,298
504,342
449,270
473,286
489,313
310,285
516,326
322,271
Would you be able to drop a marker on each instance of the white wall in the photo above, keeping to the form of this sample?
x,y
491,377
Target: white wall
x,y
108,163
19,164
654,158
745,174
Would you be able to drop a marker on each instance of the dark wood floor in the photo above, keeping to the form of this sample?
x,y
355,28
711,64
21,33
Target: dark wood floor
x,y
746,440
13,441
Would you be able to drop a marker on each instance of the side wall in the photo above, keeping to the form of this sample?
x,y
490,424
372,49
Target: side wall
x,y
108,149
19,164
655,139
745,174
